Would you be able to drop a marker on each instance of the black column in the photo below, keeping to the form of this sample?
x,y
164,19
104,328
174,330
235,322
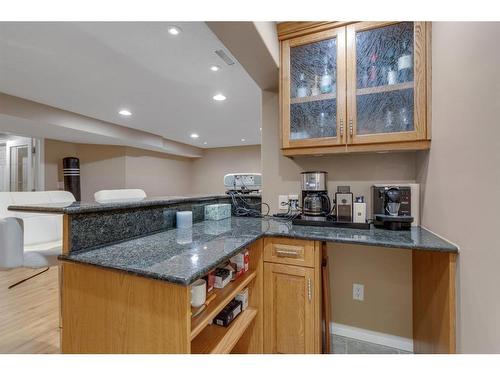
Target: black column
x,y
71,172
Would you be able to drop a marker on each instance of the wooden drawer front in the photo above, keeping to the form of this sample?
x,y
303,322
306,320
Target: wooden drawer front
x,y
289,251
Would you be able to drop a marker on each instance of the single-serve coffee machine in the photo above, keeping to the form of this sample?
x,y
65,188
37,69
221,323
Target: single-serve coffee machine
x,y
315,200
392,207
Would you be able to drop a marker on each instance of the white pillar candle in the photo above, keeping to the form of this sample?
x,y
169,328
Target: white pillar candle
x,y
184,219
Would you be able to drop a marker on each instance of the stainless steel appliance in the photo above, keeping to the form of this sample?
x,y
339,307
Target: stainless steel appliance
x,y
315,200
392,207
317,208
344,206
314,181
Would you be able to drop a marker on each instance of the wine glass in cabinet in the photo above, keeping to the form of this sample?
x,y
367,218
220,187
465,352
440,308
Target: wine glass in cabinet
x,y
313,89
386,83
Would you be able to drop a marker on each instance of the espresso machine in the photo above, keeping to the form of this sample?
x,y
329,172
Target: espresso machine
x,y
392,207
316,204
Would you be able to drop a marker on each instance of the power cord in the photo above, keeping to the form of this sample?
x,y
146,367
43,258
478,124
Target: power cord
x,y
245,208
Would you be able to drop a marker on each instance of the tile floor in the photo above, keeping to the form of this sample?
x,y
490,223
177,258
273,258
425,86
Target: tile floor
x,y
346,345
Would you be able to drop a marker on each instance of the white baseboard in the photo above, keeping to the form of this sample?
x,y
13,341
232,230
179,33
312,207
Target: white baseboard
x,y
380,338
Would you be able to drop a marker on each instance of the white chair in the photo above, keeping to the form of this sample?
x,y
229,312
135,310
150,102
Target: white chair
x,y
31,240
119,195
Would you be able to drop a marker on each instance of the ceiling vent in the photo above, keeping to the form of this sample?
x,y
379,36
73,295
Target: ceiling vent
x,y
223,55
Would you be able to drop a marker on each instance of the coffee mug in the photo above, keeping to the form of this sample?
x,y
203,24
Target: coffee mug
x,y
198,293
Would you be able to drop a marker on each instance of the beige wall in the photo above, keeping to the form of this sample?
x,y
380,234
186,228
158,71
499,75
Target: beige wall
x,y
461,173
101,167
158,174
209,171
381,311
387,276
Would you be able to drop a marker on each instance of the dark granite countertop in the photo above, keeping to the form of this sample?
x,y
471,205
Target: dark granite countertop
x,y
183,255
88,207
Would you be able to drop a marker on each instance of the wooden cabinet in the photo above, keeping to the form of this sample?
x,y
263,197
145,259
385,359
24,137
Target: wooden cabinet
x,y
109,311
361,86
292,297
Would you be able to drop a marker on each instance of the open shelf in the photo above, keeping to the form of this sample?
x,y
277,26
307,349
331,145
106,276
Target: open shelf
x,y
215,339
315,98
386,88
223,297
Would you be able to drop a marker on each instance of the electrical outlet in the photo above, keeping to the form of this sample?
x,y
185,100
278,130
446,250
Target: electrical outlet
x,y
358,292
283,202
293,200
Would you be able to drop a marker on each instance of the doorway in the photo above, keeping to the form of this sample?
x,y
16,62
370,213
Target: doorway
x,y
20,163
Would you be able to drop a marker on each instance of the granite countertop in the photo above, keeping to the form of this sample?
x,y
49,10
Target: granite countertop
x,y
183,255
87,207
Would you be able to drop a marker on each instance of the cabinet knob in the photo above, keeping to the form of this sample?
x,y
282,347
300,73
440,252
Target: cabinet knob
x,y
350,127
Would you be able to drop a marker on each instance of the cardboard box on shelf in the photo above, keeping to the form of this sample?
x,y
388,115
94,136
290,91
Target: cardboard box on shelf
x,y
243,298
222,277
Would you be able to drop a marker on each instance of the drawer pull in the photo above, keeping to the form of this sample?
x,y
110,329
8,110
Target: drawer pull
x,y
287,253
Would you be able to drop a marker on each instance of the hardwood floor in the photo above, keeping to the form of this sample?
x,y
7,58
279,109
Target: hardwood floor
x,y
29,313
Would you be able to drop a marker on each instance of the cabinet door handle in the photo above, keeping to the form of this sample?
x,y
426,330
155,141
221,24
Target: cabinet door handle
x,y
309,289
341,127
350,127
287,253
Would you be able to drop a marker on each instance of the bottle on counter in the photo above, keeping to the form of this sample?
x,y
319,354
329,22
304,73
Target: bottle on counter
x,y
405,64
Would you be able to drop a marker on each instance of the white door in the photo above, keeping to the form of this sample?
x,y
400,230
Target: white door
x,y
19,153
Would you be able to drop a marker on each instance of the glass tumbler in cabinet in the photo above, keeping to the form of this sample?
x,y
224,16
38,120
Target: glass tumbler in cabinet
x,y
313,87
386,91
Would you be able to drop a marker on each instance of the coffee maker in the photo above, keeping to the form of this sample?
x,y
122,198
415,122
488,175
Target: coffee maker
x,y
315,200
392,207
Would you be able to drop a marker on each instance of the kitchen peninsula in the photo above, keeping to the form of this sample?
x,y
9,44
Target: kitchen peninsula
x,y
126,272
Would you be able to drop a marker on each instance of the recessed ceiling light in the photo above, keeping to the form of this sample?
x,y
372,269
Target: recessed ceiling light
x,y
243,139
215,68
194,135
125,112
260,129
174,30
219,97
205,143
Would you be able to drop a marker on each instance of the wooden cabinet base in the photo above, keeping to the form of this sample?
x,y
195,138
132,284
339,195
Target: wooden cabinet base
x,y
434,302
292,297
106,311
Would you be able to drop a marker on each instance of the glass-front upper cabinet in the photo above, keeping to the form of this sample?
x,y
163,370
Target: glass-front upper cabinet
x,y
386,90
313,83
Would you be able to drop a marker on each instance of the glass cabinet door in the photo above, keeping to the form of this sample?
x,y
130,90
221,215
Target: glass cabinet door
x,y
314,78
386,82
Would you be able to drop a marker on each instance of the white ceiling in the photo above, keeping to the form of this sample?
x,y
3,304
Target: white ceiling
x,y
96,69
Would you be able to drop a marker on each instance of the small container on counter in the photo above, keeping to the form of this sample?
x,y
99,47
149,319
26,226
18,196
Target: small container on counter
x,y
217,211
184,219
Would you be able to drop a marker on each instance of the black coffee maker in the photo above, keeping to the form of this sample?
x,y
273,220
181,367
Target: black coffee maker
x,y
315,200
391,217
